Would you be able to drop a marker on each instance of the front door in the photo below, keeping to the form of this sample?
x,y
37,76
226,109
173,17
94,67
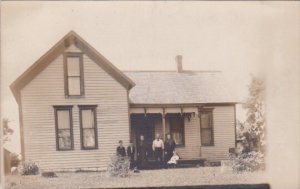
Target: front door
x,y
144,125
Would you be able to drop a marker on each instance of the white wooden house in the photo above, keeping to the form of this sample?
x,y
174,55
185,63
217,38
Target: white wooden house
x,y
75,105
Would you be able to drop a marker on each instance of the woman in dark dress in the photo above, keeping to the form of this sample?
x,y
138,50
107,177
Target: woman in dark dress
x,y
169,148
142,153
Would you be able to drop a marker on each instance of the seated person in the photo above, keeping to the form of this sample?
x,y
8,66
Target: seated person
x,y
174,159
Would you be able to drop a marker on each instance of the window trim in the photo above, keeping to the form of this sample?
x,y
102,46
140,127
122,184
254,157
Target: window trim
x,y
94,109
66,86
210,111
65,108
183,129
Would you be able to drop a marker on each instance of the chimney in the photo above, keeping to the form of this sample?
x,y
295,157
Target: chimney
x,y
178,60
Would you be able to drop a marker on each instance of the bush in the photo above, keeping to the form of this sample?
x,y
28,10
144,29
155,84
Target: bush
x,y
119,166
49,174
14,160
251,161
28,168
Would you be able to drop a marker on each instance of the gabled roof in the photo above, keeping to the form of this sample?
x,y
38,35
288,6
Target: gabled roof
x,y
68,40
171,87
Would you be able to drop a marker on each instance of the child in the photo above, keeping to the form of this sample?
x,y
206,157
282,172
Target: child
x,y
174,159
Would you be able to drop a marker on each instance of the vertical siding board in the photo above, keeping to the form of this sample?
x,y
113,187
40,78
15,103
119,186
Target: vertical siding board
x,y
46,90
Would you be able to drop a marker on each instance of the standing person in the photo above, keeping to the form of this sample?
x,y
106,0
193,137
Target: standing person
x,y
142,153
130,154
120,149
169,148
158,147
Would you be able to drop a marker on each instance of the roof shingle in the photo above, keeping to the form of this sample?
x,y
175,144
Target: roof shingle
x,y
171,87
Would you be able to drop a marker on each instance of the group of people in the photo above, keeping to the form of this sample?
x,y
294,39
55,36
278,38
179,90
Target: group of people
x,y
130,152
163,151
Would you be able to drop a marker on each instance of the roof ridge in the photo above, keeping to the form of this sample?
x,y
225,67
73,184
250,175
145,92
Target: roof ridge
x,y
173,71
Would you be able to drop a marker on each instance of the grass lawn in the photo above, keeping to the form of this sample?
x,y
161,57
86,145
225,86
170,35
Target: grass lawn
x,y
149,178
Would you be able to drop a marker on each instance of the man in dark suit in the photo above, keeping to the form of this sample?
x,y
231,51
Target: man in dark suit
x,y
120,149
131,154
142,153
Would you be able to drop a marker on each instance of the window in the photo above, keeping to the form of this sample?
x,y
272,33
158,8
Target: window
x,y
88,127
73,67
63,125
176,122
206,124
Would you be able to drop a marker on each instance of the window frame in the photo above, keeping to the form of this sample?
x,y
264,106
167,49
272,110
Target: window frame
x,y
171,130
69,109
66,77
210,111
93,108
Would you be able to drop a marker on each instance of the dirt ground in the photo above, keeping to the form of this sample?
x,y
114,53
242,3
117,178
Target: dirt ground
x,y
149,178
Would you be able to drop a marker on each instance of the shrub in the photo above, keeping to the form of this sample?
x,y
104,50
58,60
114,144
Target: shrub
x,y
49,174
28,168
118,166
14,160
251,161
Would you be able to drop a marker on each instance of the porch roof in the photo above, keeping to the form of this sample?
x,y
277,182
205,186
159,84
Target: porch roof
x,y
187,87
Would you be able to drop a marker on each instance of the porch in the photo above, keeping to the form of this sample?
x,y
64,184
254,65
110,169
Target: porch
x,y
182,123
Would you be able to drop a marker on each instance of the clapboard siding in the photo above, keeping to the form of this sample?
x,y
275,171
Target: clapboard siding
x,y
46,90
224,133
191,149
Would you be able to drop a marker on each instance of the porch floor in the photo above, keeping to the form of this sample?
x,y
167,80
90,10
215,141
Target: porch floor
x,y
182,163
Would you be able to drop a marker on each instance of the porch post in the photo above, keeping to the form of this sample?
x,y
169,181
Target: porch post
x,y
164,124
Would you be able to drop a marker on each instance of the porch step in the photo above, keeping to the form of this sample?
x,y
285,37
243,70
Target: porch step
x,y
191,162
199,161
182,163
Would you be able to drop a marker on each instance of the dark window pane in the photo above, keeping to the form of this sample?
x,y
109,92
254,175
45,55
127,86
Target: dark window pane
x,y
177,128
206,136
205,120
178,137
88,137
64,139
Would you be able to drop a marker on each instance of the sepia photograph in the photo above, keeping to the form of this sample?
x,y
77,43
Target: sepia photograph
x,y
150,94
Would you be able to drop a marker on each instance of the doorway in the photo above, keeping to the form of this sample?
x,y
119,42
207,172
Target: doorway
x,y
145,125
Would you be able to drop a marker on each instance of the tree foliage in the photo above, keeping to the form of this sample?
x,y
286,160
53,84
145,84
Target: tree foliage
x,y
252,131
7,131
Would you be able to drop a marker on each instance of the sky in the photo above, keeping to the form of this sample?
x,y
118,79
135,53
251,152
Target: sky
x,y
225,36
238,38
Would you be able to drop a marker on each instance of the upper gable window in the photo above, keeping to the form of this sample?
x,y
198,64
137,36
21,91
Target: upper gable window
x,y
73,70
